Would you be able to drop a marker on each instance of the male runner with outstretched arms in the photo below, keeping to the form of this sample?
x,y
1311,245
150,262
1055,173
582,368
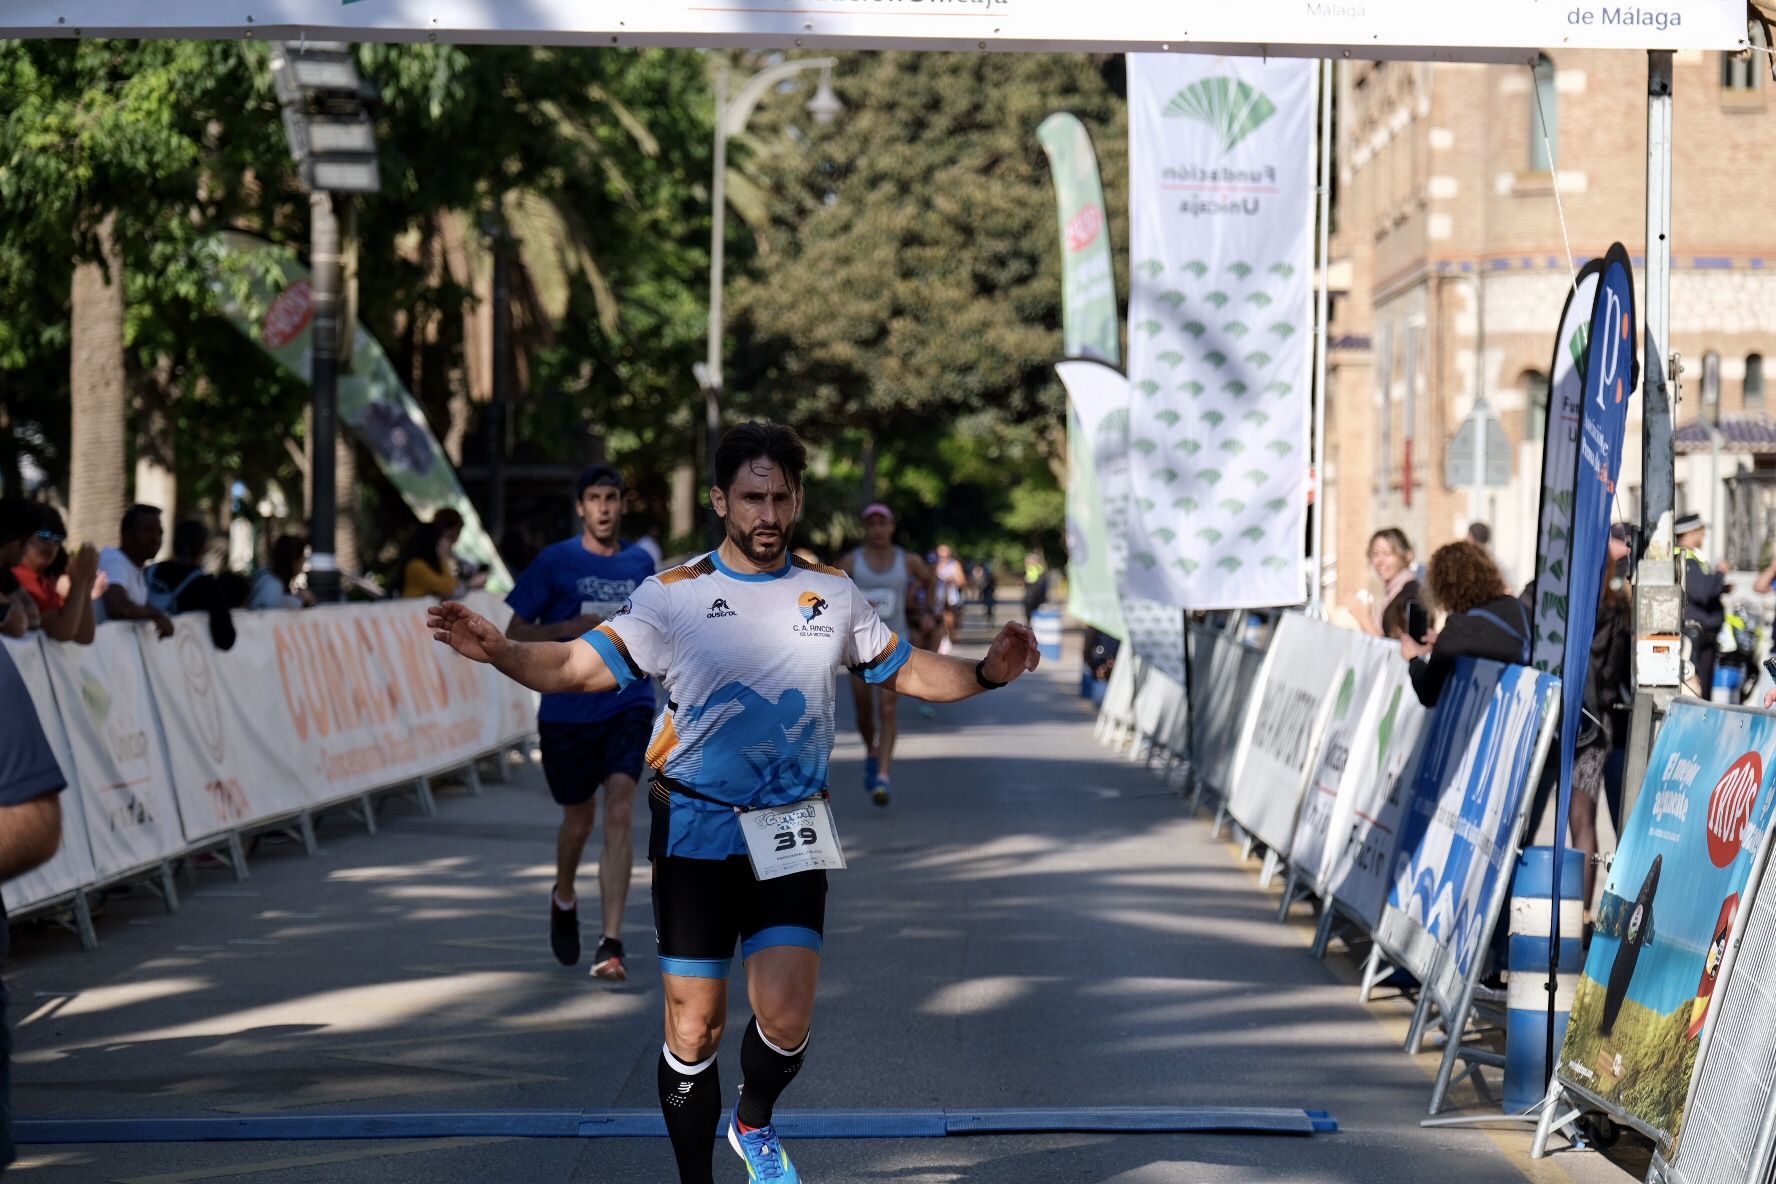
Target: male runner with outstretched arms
x,y
744,641
885,574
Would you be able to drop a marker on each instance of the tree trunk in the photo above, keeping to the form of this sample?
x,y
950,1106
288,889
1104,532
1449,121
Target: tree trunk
x,y
345,521
97,492
156,481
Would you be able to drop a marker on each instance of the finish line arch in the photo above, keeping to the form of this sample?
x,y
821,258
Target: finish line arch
x,y
1499,31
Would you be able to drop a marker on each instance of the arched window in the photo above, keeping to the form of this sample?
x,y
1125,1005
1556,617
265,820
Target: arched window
x,y
1754,382
1535,405
1739,71
1544,139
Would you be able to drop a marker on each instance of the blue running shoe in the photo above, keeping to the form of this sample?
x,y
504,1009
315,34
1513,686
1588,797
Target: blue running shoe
x,y
879,791
872,767
763,1154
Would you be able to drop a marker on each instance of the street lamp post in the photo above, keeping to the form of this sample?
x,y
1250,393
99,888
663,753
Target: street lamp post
x,y
730,120
326,104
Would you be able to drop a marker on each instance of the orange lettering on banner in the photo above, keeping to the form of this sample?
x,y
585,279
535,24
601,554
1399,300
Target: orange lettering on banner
x,y
314,678
281,645
386,698
423,674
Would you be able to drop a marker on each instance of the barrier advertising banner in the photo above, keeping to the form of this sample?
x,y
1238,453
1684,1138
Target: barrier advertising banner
x,y
71,866
1681,872
119,766
1367,696
276,315
311,706
1220,328
1376,28
1560,459
1223,670
1373,794
1297,687
1475,772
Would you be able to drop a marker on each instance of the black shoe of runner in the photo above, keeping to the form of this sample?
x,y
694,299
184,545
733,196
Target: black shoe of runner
x,y
607,963
564,932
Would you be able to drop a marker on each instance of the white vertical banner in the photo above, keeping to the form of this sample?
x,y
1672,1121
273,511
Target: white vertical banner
x,y
1220,328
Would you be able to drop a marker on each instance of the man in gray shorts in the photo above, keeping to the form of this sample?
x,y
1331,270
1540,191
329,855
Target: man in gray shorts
x,y
884,573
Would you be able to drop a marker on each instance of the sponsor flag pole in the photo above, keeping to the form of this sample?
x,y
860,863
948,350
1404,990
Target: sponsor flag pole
x,y
1317,568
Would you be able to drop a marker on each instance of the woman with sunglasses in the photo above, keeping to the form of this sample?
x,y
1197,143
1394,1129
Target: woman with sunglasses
x,y
61,585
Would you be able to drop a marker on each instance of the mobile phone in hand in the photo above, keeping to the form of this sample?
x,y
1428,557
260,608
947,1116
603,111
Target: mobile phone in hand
x,y
1418,622
1770,666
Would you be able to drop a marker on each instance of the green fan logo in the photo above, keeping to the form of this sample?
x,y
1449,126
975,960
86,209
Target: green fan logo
x,y
1229,107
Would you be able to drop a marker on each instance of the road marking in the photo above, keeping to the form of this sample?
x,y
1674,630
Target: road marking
x,y
423,1147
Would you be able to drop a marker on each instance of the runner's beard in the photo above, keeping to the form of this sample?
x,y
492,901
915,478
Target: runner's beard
x,y
763,554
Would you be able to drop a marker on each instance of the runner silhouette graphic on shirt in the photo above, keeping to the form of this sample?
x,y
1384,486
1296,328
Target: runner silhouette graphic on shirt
x,y
755,746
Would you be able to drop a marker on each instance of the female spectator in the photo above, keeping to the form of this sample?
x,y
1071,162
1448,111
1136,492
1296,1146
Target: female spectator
x,y
271,586
1609,697
1483,619
428,563
1390,556
62,587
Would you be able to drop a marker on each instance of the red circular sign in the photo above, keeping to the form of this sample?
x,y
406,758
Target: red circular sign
x,y
288,315
1729,807
1084,227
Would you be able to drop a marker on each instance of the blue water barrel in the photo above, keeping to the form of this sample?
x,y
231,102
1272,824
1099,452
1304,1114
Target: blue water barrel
x,y
1047,624
1532,919
1726,684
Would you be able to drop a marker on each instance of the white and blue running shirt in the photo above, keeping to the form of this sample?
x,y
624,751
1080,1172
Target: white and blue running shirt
x,y
747,661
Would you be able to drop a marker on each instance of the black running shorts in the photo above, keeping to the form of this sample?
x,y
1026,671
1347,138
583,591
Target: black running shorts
x,y
578,757
703,906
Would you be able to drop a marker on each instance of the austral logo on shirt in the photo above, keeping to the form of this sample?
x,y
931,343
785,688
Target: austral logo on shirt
x,y
720,609
812,604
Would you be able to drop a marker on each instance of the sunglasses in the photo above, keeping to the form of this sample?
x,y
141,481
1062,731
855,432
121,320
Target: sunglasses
x,y
50,536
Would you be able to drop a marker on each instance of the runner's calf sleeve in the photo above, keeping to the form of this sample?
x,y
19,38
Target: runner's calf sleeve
x,y
765,1071
690,1098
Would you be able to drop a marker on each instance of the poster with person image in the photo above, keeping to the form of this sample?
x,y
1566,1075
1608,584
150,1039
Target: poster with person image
x,y
1683,867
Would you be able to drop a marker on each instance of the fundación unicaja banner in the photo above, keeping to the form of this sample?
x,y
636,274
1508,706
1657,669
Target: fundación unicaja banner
x,y
1090,329
1220,328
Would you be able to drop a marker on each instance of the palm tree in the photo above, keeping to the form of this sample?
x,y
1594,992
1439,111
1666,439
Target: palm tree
x,y
97,481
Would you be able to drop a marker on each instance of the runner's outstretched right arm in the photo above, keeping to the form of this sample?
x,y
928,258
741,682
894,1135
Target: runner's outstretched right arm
x,y
547,666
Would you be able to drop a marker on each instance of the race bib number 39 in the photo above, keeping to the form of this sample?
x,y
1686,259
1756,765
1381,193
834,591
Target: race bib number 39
x,y
783,840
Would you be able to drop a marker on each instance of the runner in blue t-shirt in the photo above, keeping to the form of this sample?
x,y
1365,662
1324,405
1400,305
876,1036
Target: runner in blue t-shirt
x,y
588,740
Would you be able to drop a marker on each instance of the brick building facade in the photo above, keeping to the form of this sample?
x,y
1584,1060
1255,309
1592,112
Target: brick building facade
x,y
1450,269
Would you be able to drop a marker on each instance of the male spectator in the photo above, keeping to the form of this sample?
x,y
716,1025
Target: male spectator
x,y
1703,588
125,565
30,830
181,585
1480,535
1035,583
17,523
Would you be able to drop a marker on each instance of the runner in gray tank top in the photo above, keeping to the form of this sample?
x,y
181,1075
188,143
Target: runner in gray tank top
x,y
885,573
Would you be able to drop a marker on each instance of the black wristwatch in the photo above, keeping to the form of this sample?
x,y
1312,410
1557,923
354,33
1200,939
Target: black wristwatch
x,y
980,676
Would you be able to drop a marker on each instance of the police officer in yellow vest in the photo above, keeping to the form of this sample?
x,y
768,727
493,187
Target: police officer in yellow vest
x,y
1703,588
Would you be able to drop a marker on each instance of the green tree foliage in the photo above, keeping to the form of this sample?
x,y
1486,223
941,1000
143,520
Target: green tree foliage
x,y
910,283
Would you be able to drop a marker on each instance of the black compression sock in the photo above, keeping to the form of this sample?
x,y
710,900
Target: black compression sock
x,y
690,1098
765,1071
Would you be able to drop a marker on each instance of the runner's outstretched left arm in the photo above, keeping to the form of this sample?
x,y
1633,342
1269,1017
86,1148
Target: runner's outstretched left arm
x,y
940,679
547,666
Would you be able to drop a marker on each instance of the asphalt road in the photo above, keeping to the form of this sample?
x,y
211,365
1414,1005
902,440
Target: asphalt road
x,y
1034,922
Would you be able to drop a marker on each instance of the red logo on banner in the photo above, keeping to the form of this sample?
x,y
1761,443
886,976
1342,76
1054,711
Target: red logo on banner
x,y
288,315
1084,227
1729,807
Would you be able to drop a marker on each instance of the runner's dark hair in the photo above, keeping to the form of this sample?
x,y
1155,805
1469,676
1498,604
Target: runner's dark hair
x,y
755,440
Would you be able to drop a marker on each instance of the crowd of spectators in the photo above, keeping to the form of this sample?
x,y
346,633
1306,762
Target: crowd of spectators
x,y
66,591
